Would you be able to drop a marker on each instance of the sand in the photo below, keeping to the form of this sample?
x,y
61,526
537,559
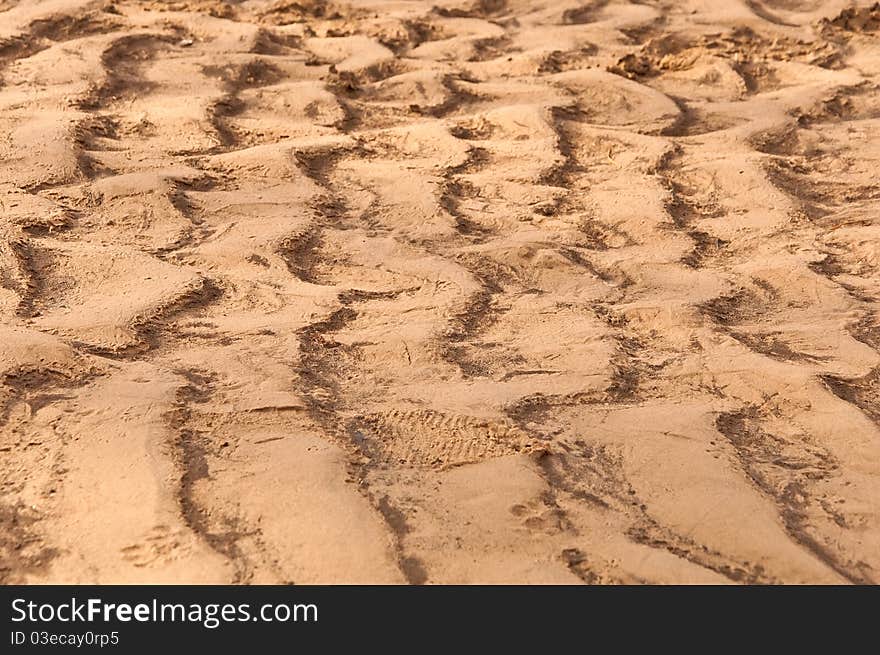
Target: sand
x,y
439,292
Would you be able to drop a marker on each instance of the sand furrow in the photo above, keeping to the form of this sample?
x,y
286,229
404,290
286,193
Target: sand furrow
x,y
447,292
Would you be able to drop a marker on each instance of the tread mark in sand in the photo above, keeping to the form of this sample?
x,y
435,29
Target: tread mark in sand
x,y
426,438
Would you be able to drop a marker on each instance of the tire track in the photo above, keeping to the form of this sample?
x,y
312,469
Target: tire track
x,y
786,477
502,271
191,448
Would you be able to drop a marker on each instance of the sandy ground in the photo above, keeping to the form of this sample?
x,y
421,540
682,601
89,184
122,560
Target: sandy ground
x,y
448,292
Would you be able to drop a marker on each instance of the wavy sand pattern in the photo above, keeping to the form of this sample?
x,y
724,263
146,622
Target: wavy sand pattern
x,y
449,292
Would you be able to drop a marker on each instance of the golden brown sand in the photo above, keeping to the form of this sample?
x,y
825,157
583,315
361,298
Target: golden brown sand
x,y
447,291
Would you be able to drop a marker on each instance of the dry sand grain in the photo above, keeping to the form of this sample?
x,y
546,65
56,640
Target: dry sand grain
x,y
451,292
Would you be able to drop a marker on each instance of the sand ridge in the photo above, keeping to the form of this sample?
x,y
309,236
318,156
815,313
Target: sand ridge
x,y
448,292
